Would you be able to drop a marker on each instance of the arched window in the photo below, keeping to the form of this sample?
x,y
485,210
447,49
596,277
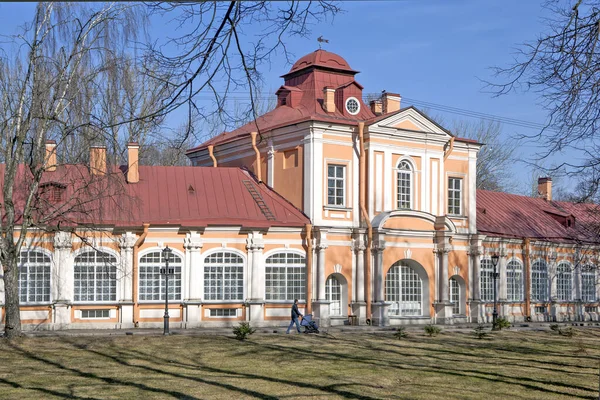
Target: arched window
x,y
404,288
285,277
404,185
588,283
333,293
564,281
95,276
514,281
223,276
455,296
539,281
486,279
34,277
152,282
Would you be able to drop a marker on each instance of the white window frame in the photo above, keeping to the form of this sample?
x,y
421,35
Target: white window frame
x,y
98,291
486,280
404,288
154,286
285,290
336,179
539,282
27,277
454,287
588,291
220,277
333,294
564,281
346,105
451,192
515,283
411,174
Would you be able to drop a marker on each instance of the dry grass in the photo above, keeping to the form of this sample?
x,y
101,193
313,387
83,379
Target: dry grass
x,y
509,365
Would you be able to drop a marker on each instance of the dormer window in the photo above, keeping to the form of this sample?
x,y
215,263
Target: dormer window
x,y
53,192
352,105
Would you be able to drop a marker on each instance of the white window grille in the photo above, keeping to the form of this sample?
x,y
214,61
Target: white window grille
x,y
285,275
564,282
152,282
352,105
588,284
454,196
539,281
223,312
514,281
223,276
336,177
486,278
404,288
95,314
34,277
333,293
404,185
95,277
455,296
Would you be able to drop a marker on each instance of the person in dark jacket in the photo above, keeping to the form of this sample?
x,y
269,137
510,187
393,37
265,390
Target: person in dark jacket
x,y
295,315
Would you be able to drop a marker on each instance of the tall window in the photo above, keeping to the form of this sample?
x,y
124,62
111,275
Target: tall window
x,y
454,196
404,288
514,281
336,175
455,296
404,182
588,284
152,282
333,293
486,279
285,277
223,276
34,277
95,276
564,282
539,281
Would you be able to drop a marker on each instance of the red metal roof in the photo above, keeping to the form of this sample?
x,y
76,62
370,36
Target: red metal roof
x,y
323,59
179,196
510,215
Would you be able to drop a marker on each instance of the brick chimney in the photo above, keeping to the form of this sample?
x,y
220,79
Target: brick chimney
x,y
98,160
545,188
376,107
133,170
329,99
391,102
50,155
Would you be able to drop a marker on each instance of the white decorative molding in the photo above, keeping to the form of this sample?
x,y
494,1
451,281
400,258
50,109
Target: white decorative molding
x,y
456,270
407,253
337,268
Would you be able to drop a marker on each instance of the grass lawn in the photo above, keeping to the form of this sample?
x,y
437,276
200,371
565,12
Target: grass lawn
x,y
453,365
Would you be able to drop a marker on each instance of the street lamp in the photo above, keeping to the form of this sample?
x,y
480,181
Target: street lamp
x,y
495,258
166,271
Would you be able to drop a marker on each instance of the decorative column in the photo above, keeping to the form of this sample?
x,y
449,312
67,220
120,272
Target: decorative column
x,y
194,279
125,279
321,305
553,294
502,289
443,308
359,306
475,252
270,163
63,282
379,306
256,277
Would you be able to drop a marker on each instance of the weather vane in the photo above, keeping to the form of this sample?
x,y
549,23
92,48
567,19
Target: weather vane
x,y
321,39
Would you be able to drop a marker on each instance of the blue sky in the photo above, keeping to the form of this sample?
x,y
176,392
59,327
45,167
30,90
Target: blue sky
x,y
433,51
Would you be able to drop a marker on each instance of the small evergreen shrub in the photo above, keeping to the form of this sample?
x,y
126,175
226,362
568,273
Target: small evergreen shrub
x,y
501,323
243,330
567,331
401,333
479,331
432,330
555,327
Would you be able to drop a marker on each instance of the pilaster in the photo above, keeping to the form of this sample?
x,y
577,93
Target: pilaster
x,y
63,282
321,306
359,306
256,301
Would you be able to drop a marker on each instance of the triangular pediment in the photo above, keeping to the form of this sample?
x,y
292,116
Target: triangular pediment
x,y
412,119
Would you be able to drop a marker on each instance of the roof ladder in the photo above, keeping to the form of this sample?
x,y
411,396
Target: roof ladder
x,y
264,208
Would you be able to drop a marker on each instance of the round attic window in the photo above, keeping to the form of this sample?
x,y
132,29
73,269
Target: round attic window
x,y
352,105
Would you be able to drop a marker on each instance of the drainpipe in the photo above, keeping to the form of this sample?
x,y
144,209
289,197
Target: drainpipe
x,y
136,248
309,260
449,148
527,277
258,168
212,156
365,215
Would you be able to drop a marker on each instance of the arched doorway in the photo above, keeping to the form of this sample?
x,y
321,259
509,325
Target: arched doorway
x,y
407,288
336,292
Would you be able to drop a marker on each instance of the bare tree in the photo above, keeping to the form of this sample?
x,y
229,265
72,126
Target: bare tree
x,y
562,67
45,85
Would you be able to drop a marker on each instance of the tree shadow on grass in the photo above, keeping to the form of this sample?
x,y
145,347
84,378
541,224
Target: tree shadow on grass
x,y
45,391
89,375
